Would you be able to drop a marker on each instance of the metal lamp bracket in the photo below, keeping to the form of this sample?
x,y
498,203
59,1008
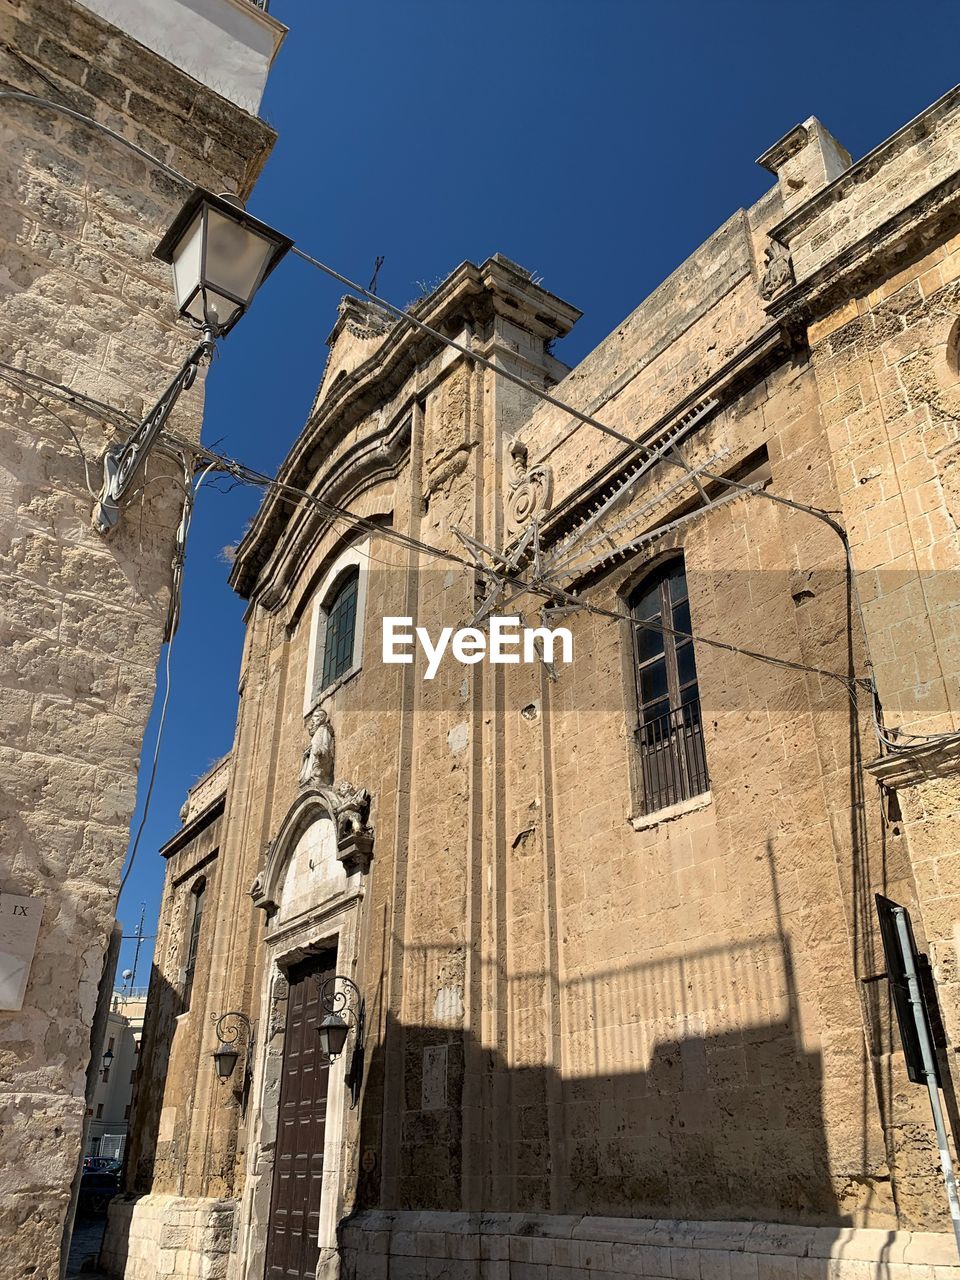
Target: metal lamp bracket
x,y
342,996
235,1028
122,462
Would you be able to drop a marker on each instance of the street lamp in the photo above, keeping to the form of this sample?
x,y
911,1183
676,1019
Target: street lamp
x,y
220,255
233,1030
108,1060
225,1059
333,1032
343,1006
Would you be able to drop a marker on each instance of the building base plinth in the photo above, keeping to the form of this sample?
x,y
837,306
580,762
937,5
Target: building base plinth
x,y
477,1246
161,1235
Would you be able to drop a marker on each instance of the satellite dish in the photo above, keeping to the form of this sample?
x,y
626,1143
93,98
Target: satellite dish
x,y
127,975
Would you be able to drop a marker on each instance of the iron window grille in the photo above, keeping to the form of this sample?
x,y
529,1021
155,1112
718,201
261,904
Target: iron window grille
x,y
340,629
669,732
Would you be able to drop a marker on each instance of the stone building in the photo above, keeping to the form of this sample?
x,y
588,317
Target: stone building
x,y
100,109
612,920
116,1067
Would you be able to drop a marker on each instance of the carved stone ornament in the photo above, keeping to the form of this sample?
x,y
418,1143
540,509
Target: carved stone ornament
x,y
353,810
349,809
316,767
779,271
364,319
529,492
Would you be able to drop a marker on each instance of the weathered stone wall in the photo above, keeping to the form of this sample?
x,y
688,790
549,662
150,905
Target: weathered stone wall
x,y
81,303
165,1235
175,1035
576,1008
490,1246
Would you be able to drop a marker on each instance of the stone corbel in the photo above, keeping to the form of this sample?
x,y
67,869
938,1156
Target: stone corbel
x,y
354,833
779,271
529,492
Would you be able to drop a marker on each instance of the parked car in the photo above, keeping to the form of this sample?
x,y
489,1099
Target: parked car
x,y
97,1189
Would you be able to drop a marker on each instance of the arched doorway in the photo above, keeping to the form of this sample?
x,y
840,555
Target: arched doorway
x,y
311,889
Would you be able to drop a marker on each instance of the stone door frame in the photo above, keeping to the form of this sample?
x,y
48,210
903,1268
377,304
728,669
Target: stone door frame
x,y
334,924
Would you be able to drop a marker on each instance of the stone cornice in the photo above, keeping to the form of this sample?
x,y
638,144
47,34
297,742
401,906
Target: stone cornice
x,y
376,457
769,347
918,224
198,823
862,170
470,294
774,157
911,765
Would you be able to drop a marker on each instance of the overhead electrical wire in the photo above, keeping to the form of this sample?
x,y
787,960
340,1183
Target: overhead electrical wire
x,y
587,419
247,475
173,616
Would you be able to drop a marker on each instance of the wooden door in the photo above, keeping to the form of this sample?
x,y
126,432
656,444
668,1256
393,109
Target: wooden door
x,y
292,1237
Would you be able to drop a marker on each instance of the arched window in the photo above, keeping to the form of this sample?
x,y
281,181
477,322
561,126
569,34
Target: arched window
x,y
198,893
340,630
336,629
669,733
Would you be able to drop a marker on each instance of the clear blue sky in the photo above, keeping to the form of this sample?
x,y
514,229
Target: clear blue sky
x,y
597,142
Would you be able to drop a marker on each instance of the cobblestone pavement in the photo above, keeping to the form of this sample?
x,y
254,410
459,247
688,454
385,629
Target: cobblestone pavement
x,y
87,1237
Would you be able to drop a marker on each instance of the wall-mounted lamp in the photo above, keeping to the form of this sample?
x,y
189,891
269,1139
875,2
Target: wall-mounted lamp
x,y
220,256
344,1007
234,1034
108,1060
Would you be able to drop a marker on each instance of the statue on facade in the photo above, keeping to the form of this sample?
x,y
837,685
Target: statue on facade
x,y
353,809
316,769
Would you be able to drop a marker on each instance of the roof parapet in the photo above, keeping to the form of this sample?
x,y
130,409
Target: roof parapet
x,y
804,161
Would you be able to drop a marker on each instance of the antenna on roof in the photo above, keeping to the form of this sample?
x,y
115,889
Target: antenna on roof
x,y
372,286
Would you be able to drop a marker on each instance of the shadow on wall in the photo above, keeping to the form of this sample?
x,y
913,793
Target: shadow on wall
x,y
715,1126
722,1117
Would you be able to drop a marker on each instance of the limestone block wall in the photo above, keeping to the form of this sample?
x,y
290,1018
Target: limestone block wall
x,y
491,1246
166,1235
876,262
83,304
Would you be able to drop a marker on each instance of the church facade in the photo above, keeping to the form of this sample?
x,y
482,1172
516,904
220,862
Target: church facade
x,y
603,932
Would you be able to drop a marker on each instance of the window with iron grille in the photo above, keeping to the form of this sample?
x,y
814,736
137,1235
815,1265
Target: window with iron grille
x,y
198,893
669,732
340,630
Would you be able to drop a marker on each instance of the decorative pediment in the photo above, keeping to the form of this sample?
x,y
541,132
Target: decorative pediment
x,y
347,807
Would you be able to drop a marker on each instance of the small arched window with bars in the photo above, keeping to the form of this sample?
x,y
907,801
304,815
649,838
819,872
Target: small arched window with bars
x,y
672,763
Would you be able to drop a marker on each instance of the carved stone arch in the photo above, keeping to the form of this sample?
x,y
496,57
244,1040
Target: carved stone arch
x,y
346,807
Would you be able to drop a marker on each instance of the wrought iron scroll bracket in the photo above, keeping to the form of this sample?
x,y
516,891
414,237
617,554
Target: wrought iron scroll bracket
x,y
235,1028
342,998
122,462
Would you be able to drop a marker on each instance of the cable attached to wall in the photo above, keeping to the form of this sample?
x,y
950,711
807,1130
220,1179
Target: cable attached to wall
x,y
587,419
173,617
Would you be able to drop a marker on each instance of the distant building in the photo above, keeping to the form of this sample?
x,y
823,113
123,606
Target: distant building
x,y
613,921
110,1108
100,109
